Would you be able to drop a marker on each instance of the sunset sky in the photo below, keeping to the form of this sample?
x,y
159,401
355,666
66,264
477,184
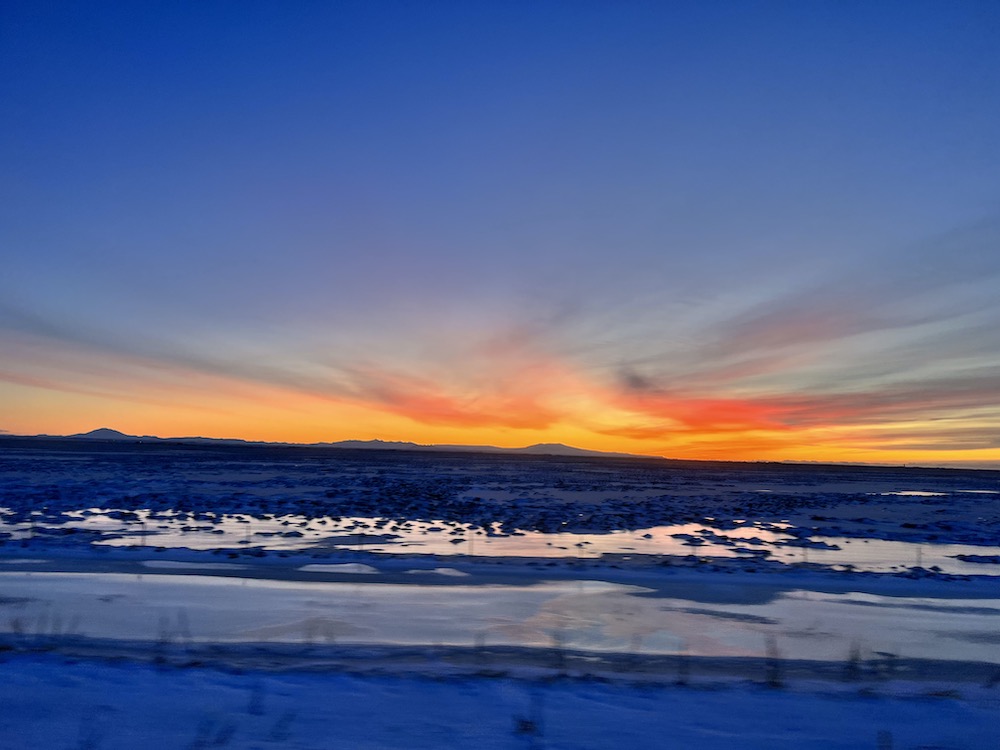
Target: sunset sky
x,y
737,230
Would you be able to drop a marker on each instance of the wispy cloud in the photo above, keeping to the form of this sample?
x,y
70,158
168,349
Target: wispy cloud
x,y
880,345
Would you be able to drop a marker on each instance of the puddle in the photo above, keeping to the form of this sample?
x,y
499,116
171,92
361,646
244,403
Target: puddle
x,y
740,539
889,556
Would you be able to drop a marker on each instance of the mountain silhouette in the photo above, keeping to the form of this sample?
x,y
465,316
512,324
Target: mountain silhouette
x,y
539,449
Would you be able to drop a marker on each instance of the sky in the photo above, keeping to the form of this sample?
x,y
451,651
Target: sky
x,y
721,230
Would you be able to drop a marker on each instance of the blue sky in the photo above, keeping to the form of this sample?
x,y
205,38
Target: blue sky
x,y
703,229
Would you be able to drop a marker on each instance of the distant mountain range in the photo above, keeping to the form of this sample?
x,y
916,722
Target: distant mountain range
x,y
539,449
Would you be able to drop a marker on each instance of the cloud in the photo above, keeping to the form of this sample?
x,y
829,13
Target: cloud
x,y
881,345
891,403
503,379
500,405
894,402
916,330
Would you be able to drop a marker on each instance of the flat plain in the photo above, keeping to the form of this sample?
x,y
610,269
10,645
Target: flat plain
x,y
246,596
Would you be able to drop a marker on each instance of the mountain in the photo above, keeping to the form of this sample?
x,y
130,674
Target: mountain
x,y
104,433
377,445
539,449
558,449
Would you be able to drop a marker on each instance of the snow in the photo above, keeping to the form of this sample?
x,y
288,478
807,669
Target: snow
x,y
451,572
164,596
179,565
357,568
51,703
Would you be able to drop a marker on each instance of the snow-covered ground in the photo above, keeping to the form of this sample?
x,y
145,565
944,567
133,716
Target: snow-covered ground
x,y
204,597
50,703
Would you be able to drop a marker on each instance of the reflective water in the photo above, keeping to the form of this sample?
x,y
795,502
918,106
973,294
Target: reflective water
x,y
925,493
586,615
747,540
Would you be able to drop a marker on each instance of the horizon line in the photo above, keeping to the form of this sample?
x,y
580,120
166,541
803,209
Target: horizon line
x,y
572,451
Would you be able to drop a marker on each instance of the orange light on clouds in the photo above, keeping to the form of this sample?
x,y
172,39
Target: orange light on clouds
x,y
519,401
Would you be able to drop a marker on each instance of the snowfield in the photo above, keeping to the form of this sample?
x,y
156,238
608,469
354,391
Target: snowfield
x,y
200,596
49,703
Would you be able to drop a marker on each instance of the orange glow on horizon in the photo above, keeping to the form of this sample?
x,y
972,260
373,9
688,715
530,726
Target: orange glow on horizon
x,y
526,401
282,417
